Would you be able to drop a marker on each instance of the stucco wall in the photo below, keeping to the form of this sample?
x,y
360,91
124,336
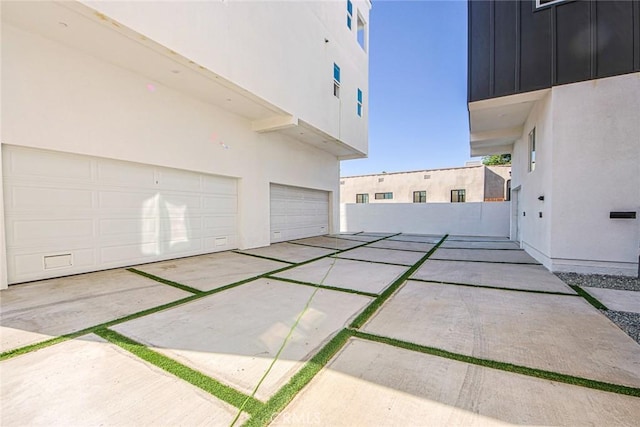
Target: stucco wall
x,y
469,219
437,183
588,164
276,50
60,99
596,150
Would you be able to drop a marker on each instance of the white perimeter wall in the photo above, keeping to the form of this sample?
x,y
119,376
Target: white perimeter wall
x,y
469,219
60,99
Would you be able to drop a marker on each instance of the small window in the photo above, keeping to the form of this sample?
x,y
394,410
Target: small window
x,y
336,80
542,3
384,196
349,13
457,196
359,111
419,197
362,198
532,150
362,33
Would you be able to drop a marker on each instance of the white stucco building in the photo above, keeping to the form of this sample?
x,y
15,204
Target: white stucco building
x,y
139,131
562,94
477,183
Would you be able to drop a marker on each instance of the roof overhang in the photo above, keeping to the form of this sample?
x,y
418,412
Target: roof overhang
x,y
496,123
87,30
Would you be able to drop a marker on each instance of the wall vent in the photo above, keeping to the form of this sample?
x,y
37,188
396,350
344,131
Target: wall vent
x,y
380,179
427,176
57,261
221,241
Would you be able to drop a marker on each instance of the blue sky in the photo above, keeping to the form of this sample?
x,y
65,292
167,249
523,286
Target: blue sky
x,y
417,87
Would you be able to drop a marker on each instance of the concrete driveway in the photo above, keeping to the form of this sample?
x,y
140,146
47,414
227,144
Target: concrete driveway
x,y
355,330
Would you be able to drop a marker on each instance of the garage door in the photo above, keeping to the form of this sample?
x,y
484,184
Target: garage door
x,y
68,214
298,212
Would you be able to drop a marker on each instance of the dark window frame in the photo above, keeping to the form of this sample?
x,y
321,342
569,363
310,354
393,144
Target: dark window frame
x,y
362,198
460,195
384,196
421,196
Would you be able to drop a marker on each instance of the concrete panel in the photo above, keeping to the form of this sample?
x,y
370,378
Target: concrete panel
x,y
391,256
289,252
406,246
369,384
234,335
521,276
557,333
212,271
477,238
459,244
38,311
423,238
88,381
343,273
616,299
329,242
485,255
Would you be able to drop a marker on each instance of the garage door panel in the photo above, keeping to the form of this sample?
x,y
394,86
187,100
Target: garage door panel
x,y
219,185
298,212
35,230
48,164
127,214
25,264
21,197
111,172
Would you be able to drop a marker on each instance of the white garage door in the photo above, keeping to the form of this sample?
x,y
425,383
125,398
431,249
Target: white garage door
x,y
298,212
68,214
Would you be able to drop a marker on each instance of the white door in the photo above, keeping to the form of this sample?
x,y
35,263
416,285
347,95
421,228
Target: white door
x,y
298,212
68,214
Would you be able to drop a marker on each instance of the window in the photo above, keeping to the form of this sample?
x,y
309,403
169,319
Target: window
x,y
542,3
359,103
384,196
349,13
532,150
419,197
362,33
457,196
362,198
336,80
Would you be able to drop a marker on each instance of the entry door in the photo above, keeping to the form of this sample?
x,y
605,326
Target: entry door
x,y
298,212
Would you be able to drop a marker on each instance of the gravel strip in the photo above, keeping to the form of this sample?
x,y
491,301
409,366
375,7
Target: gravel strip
x,y
628,322
623,283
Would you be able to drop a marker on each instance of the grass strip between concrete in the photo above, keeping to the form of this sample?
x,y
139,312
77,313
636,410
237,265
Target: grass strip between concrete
x,y
278,401
330,288
166,281
500,288
395,264
198,379
43,344
376,303
590,299
503,366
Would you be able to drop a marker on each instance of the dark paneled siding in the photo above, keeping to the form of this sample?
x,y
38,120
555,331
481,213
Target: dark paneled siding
x,y
514,47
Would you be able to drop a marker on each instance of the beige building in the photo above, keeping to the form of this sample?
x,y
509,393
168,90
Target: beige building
x,y
475,183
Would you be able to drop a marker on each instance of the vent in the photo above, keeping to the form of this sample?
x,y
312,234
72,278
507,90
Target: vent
x,y
341,182
380,179
427,176
221,241
622,215
57,261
